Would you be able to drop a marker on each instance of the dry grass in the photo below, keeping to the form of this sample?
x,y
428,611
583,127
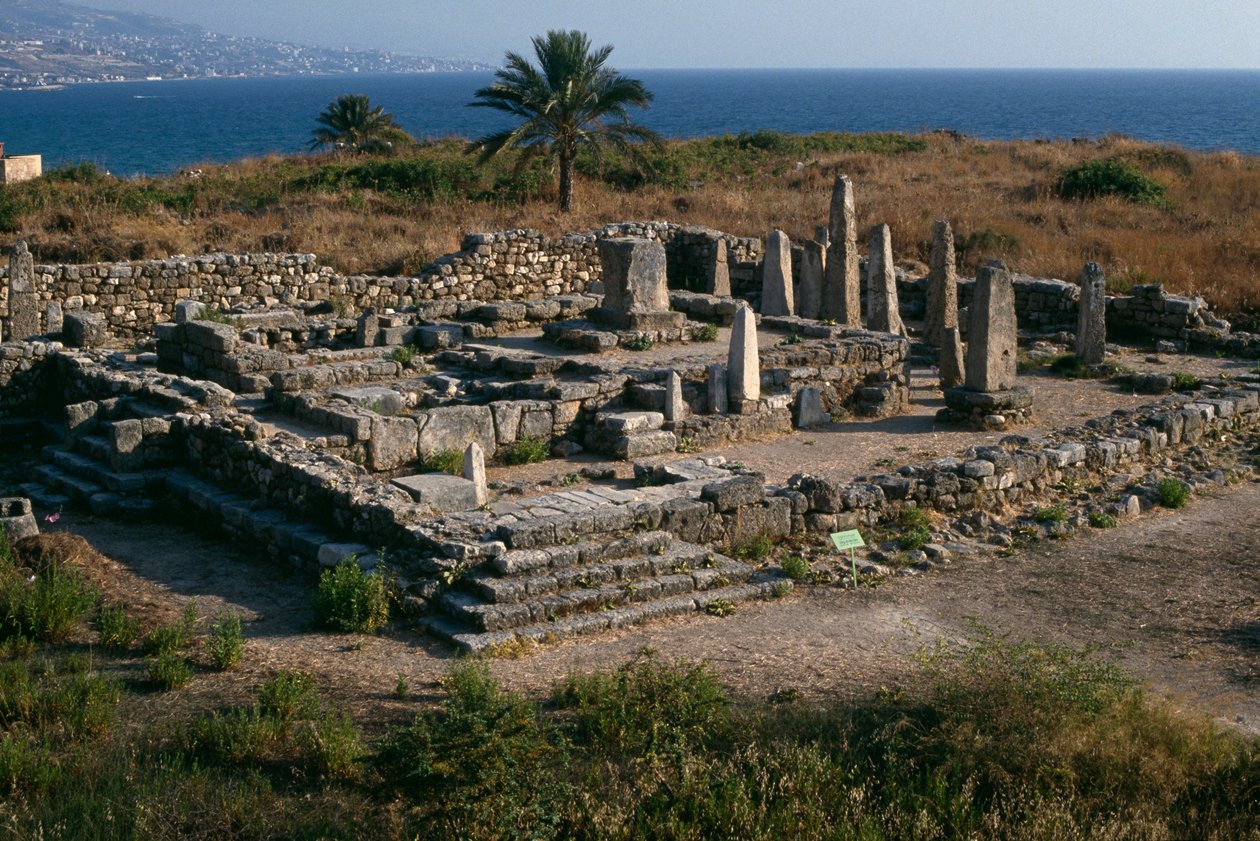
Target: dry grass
x,y
999,196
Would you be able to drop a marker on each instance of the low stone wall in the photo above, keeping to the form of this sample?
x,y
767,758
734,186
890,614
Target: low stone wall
x,y
24,377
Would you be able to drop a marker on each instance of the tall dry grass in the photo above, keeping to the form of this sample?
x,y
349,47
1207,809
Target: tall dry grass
x,y
999,196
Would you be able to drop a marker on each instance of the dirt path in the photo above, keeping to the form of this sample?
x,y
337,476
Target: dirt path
x,y
1171,596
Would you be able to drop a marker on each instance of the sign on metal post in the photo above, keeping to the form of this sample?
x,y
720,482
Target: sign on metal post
x,y
851,539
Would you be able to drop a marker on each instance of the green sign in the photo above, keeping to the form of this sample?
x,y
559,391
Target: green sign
x,y
851,539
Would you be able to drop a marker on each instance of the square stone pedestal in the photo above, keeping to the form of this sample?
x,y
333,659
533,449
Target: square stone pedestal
x,y
988,410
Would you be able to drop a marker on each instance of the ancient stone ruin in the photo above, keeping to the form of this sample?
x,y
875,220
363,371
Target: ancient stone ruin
x,y
319,417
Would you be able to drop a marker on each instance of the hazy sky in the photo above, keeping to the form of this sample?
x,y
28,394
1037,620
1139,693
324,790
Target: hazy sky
x,y
766,33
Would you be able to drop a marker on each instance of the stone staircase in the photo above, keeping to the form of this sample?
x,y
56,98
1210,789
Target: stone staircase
x,y
76,474
631,435
550,584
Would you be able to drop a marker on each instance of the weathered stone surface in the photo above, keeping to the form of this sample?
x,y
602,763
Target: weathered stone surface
x,y
1091,324
475,472
54,318
675,406
718,276
885,310
743,366
629,423
813,268
634,274
440,491
717,401
643,444
728,494
186,311
809,409
392,443
83,329
991,349
23,299
126,445
842,290
942,287
383,401
776,282
16,518
454,427
331,554
952,368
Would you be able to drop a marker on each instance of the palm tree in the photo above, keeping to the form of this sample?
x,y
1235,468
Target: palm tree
x,y
568,101
352,124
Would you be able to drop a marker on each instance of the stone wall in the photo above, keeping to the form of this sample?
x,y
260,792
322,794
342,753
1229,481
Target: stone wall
x,y
24,377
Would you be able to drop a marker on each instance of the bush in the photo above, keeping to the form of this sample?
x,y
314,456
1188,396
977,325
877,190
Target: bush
x,y
1050,514
351,600
795,567
781,589
170,670
449,460
47,608
528,451
116,628
704,333
916,526
289,696
242,736
1096,178
226,643
1184,382
1172,493
639,343
404,354
173,637
1102,520
755,548
331,747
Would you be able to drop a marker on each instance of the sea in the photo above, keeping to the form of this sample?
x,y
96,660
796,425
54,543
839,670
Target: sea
x,y
158,127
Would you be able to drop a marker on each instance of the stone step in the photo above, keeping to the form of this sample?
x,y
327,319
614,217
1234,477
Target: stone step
x,y
94,447
248,519
44,498
94,471
472,642
122,506
529,562
677,558
54,478
638,587
643,444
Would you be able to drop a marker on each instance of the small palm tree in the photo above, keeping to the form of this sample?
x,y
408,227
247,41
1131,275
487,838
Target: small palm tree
x,y
570,100
352,124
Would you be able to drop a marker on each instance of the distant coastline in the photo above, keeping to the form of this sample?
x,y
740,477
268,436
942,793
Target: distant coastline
x,y
226,119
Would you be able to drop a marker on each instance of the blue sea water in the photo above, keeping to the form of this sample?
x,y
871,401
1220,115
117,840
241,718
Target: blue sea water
x,y
157,127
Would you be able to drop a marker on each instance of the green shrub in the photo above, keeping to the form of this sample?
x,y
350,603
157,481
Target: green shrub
x,y
781,589
1051,514
448,460
289,696
646,708
1185,382
1102,520
754,548
795,567
351,600
240,736
1096,178
116,628
62,697
480,765
704,333
528,451
916,529
331,747
404,354
1172,492
720,607
173,637
637,343
170,670
47,608
226,643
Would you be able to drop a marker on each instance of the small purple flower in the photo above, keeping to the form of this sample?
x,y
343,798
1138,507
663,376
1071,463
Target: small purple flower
x,y
52,518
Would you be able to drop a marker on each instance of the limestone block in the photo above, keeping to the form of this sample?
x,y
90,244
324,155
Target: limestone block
x,y
813,267
393,442
717,401
942,288
383,401
126,445
743,364
728,494
440,491
991,348
475,471
1091,323
809,409
16,518
776,283
634,274
842,290
83,329
455,427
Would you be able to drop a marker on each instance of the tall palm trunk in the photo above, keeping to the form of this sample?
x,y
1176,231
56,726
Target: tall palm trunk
x,y
566,180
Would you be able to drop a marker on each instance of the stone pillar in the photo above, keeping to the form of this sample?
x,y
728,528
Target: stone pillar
x,y
951,366
942,288
717,403
743,366
885,309
776,279
367,328
842,287
675,408
1091,323
813,268
633,271
809,409
23,301
822,236
718,281
475,471
991,335
54,318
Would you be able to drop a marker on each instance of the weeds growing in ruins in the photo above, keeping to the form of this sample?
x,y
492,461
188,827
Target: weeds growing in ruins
x,y
781,589
448,460
404,355
528,451
1185,382
1051,514
704,333
754,548
1172,492
169,670
351,600
916,529
795,567
226,643
637,343
1102,520
116,628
